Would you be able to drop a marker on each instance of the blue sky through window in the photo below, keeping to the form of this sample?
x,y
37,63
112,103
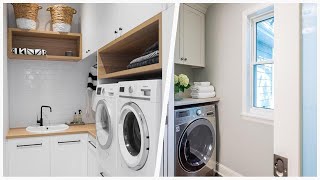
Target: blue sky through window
x,y
263,66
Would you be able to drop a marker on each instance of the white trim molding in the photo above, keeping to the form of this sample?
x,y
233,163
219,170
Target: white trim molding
x,y
224,171
256,119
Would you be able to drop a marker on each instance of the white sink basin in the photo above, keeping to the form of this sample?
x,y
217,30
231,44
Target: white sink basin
x,y
47,129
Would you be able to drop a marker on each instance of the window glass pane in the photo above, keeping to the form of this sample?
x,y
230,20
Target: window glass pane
x,y
264,40
263,86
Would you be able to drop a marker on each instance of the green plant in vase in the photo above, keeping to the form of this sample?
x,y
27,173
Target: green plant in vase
x,y
181,83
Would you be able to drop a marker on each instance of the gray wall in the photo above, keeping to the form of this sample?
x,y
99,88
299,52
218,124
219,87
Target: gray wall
x,y
244,146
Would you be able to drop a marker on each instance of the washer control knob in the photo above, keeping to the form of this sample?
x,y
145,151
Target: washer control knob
x,y
130,89
198,112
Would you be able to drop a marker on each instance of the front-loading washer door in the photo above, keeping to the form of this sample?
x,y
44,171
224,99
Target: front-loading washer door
x,y
133,136
103,125
196,145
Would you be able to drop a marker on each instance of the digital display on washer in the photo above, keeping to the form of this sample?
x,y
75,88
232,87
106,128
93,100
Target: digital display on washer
x,y
183,114
121,89
99,90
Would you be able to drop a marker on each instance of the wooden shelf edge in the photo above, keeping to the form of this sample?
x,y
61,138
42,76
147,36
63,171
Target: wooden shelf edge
x,y
44,32
47,57
134,71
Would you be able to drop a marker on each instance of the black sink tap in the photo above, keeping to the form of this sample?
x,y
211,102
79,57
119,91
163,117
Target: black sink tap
x,y
41,119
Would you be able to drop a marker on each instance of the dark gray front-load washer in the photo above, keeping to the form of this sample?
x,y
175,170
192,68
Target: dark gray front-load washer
x,y
195,140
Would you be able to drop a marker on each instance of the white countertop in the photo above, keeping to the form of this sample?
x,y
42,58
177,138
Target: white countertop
x,y
189,101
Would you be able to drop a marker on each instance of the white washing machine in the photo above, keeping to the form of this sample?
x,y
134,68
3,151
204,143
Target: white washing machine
x,y
106,127
139,107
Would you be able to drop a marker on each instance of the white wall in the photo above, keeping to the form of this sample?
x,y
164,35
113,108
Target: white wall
x,y
243,146
44,17
61,85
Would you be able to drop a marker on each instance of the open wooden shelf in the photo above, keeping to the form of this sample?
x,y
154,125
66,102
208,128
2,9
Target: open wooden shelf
x,y
114,57
56,44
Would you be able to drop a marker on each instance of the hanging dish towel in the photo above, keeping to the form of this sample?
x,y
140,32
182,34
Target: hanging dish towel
x,y
92,78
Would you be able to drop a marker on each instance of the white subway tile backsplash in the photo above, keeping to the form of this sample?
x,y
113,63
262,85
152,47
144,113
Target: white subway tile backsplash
x,y
61,85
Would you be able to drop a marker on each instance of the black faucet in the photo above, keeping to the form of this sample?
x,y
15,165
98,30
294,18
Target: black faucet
x,y
41,119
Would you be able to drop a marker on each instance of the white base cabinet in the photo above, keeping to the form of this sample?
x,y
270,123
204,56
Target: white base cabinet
x,y
64,155
29,157
93,166
69,155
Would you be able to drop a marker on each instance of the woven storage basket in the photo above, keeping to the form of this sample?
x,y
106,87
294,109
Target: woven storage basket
x,y
61,17
26,14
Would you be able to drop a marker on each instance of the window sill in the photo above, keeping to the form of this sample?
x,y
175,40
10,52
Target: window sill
x,y
256,118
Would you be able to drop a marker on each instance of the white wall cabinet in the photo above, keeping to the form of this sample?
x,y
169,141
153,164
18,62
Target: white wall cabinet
x,y
69,155
118,16
93,166
29,157
191,37
88,29
64,155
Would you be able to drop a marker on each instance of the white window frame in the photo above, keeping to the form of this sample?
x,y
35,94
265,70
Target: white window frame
x,y
249,19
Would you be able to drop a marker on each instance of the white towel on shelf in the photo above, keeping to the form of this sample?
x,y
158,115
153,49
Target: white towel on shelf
x,y
202,89
202,83
203,95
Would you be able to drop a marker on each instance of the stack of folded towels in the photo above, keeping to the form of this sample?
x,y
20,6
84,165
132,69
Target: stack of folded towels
x,y
202,90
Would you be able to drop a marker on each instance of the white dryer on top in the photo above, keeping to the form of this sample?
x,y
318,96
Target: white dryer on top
x,y
106,127
139,107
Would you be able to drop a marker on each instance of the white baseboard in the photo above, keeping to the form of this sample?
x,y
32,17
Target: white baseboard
x,y
226,172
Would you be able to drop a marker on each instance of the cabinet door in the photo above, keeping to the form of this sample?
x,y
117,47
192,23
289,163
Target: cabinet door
x,y
178,51
192,36
93,170
131,15
69,155
29,157
88,29
108,14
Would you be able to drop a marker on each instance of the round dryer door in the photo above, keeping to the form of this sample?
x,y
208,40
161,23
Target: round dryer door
x,y
103,125
196,145
133,136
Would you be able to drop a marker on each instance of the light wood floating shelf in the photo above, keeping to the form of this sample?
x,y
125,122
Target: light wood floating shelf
x,y
114,57
55,43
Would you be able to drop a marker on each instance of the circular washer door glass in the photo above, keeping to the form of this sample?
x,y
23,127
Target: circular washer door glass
x,y
196,145
103,125
133,136
131,133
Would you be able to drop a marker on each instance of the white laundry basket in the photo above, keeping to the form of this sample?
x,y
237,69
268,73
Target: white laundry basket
x,y
26,15
61,17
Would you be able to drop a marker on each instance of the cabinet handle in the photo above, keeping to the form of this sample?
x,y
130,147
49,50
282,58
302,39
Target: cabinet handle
x,y
182,59
65,142
92,144
115,32
185,59
101,173
120,28
29,145
88,51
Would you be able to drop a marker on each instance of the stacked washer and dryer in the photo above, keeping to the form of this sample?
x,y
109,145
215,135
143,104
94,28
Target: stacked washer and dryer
x,y
128,118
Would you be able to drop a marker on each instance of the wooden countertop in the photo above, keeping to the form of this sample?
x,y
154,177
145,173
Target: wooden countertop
x,y
189,101
23,133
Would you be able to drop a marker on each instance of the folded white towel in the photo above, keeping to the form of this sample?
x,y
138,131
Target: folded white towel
x,y
202,83
202,89
203,95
